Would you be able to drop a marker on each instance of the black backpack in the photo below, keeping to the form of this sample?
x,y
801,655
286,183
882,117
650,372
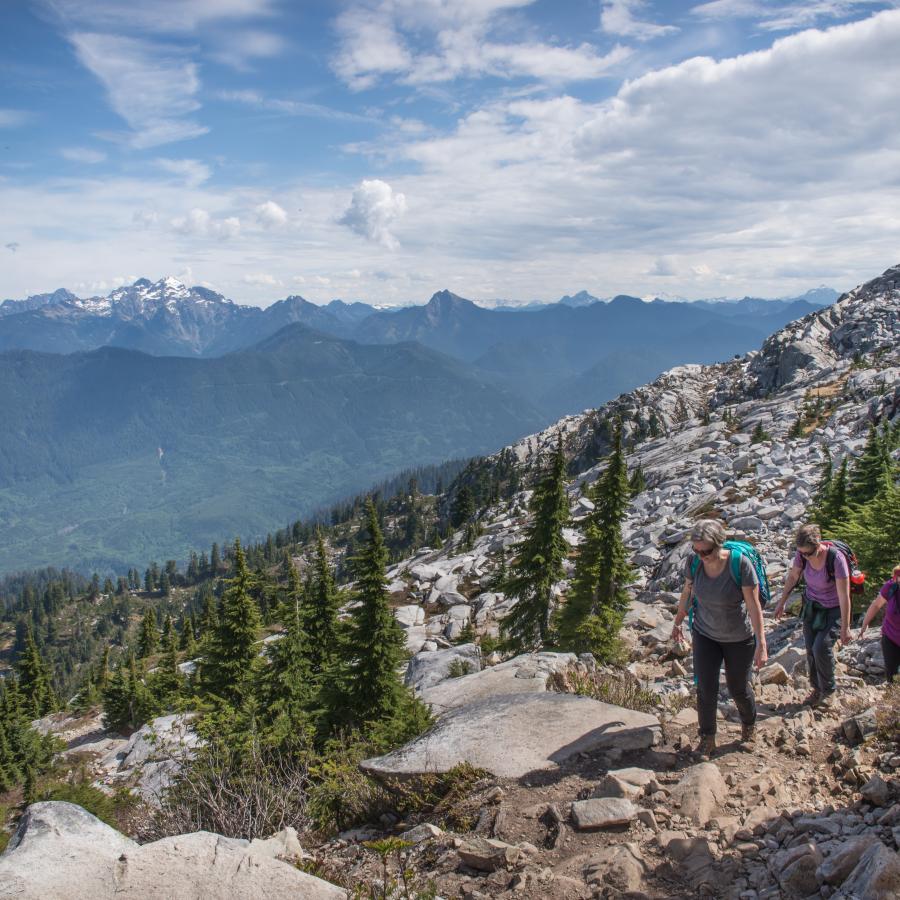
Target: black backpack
x,y
857,578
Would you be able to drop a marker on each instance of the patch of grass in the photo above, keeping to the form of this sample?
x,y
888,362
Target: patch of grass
x,y
887,715
459,667
85,795
620,688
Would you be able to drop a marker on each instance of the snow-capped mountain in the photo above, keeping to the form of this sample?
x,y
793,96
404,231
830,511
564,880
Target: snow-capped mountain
x,y
164,318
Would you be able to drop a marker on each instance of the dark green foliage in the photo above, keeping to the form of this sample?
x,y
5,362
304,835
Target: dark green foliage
x,y
376,645
35,682
832,508
127,700
591,617
872,469
463,507
148,639
759,434
231,655
319,613
538,562
637,483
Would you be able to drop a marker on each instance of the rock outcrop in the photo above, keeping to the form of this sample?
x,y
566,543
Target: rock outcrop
x,y
61,852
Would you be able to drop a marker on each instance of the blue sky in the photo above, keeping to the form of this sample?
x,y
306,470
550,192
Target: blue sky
x,y
385,149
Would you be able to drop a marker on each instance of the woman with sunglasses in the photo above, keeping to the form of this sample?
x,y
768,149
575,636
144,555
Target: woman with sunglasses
x,y
726,626
888,596
826,609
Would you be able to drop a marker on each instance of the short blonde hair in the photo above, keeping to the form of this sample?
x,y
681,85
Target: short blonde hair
x,y
708,530
808,535
896,571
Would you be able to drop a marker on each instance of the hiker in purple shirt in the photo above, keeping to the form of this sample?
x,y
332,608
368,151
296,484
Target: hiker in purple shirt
x,y
826,609
888,596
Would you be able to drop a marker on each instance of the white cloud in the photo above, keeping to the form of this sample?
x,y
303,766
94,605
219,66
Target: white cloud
x,y
14,118
146,218
152,86
618,17
163,16
262,279
373,208
191,171
85,155
270,215
785,16
662,267
199,223
386,38
287,107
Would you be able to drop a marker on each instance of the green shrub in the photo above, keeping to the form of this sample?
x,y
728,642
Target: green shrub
x,y
620,688
85,795
459,667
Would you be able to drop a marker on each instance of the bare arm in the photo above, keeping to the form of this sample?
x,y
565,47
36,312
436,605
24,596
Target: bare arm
x,y
843,590
871,612
793,576
754,610
686,593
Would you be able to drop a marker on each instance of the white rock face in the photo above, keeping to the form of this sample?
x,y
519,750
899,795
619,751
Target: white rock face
x,y
511,735
61,851
427,669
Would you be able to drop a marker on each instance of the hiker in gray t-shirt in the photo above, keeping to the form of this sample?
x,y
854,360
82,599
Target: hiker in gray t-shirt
x,y
727,627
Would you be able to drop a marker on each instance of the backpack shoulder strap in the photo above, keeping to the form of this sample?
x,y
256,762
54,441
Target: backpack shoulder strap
x,y
735,565
695,565
830,558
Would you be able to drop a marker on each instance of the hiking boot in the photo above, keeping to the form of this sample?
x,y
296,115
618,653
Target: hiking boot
x,y
707,747
814,699
827,702
748,736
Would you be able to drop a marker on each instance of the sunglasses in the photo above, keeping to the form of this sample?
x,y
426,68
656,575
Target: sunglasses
x,y
704,553
808,553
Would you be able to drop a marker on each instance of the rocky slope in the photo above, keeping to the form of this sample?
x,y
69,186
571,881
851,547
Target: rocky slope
x,y
583,797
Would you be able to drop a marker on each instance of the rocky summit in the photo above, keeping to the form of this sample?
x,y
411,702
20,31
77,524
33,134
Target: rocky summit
x,y
584,784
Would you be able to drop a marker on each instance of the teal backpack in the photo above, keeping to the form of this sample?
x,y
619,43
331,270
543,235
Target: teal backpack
x,y
737,550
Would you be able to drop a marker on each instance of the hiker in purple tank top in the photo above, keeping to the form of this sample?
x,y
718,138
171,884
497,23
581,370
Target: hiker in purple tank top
x,y
826,608
889,598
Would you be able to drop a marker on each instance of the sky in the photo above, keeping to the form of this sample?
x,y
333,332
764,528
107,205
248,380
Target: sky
x,y
385,149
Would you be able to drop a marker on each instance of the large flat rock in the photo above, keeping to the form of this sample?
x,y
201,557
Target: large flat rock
x,y
511,735
62,852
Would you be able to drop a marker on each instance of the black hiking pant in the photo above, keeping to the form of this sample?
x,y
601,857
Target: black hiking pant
x,y
891,657
708,658
820,651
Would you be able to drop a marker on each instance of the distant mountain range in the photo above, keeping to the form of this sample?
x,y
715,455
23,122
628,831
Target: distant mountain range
x,y
114,456
162,417
577,352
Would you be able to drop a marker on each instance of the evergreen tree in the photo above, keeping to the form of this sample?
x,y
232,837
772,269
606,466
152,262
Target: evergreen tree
x,y
215,563
209,617
288,684
637,484
834,505
463,507
167,679
597,600
538,562
759,434
871,469
319,615
376,644
34,681
127,702
873,531
148,637
230,660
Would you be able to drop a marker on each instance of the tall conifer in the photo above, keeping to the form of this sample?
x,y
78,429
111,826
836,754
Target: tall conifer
x,y
597,600
376,644
230,658
538,561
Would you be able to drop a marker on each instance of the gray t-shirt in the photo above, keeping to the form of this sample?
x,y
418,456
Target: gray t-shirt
x,y
720,613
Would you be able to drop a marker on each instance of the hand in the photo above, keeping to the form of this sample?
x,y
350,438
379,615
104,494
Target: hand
x,y
862,630
761,655
779,608
846,637
677,633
